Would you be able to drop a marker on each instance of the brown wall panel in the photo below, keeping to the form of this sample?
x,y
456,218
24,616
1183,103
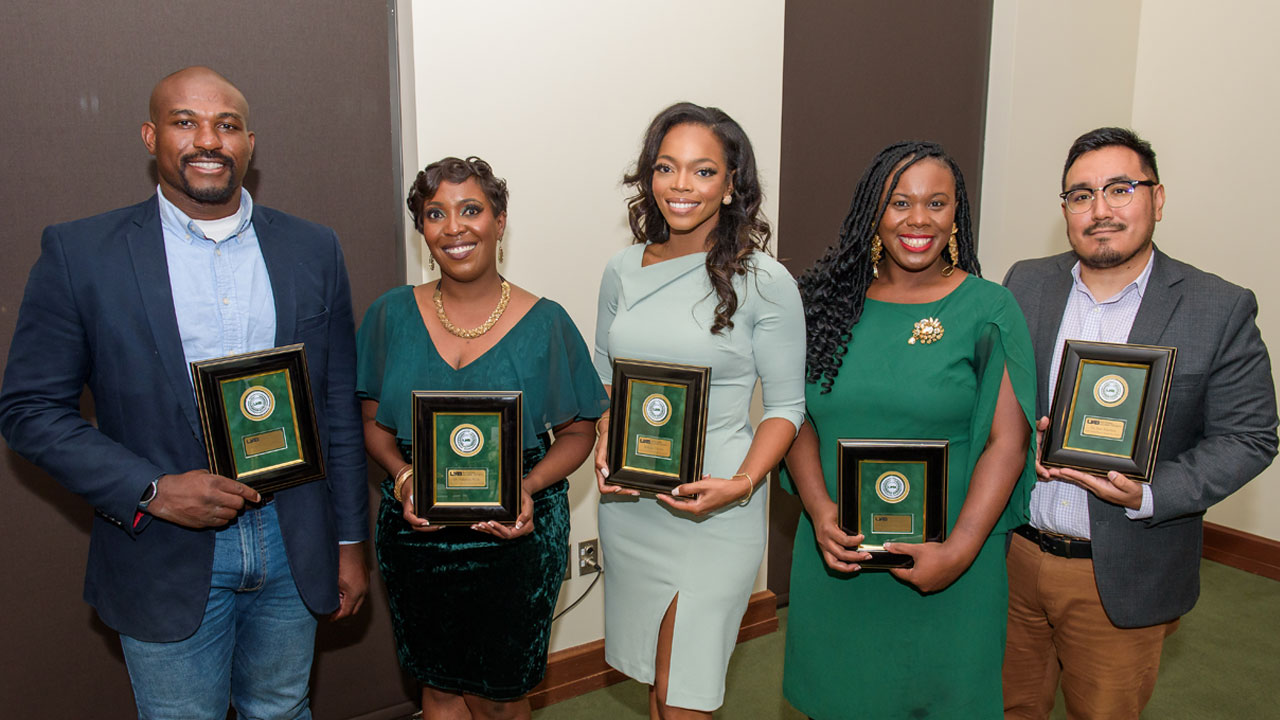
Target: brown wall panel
x,y
76,79
858,75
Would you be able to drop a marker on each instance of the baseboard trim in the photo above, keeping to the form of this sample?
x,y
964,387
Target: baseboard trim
x,y
1242,550
581,669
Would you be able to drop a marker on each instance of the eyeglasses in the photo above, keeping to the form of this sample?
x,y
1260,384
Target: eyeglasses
x,y
1117,194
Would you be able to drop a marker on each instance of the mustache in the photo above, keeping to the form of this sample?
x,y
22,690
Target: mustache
x,y
207,155
1100,226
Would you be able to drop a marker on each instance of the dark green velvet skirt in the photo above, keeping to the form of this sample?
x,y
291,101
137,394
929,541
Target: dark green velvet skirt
x,y
472,613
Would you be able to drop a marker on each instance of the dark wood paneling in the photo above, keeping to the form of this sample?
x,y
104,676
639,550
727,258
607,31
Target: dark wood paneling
x,y
1242,550
858,75
76,79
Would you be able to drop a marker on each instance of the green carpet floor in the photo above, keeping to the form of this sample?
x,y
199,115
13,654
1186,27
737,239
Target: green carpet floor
x,y
1223,663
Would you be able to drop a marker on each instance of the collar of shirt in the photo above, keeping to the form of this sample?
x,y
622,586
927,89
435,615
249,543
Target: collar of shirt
x,y
1139,283
222,295
180,226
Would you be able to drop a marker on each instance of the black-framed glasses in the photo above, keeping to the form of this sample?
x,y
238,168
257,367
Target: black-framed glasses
x,y
1117,194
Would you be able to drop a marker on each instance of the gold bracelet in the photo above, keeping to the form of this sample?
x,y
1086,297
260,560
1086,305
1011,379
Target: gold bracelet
x,y
751,488
402,478
601,419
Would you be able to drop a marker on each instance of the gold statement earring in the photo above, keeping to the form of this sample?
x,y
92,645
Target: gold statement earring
x,y
875,255
954,251
431,261
499,249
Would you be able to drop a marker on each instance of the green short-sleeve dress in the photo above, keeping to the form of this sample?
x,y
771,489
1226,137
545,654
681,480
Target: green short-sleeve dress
x,y
651,553
472,613
866,645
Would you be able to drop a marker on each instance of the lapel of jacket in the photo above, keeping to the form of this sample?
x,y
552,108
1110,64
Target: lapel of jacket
x,y
1158,302
280,268
1053,302
150,265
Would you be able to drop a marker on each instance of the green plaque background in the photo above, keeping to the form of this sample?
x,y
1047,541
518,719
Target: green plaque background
x,y
869,502
1086,404
637,425
488,459
282,417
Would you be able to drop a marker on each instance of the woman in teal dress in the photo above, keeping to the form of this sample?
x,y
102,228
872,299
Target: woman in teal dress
x,y
471,607
696,288
925,641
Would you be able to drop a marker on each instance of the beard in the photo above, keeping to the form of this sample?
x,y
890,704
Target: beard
x,y
216,194
1105,256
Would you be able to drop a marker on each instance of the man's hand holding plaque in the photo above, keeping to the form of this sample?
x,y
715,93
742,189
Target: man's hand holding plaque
x,y
1108,411
258,418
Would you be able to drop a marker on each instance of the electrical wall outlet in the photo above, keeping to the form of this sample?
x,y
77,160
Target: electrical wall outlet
x,y
589,556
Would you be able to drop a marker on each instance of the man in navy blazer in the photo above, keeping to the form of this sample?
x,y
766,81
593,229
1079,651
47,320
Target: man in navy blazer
x,y
214,589
1107,565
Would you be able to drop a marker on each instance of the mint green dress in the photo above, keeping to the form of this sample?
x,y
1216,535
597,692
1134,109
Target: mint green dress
x,y
652,553
472,613
866,645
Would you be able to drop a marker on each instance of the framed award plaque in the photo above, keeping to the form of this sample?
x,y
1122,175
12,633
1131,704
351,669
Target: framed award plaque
x,y
892,490
1108,408
258,418
467,456
658,424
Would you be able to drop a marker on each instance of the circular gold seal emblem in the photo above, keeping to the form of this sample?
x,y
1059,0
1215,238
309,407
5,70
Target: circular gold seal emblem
x,y
657,410
257,403
466,440
1110,390
892,487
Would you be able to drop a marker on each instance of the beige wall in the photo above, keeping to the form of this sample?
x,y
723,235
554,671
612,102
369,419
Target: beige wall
x,y
1206,97
1196,80
556,95
1036,105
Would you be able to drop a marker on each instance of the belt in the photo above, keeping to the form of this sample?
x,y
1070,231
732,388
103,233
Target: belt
x,y
1055,544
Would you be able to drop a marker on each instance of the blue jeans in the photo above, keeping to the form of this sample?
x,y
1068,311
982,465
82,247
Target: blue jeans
x,y
253,647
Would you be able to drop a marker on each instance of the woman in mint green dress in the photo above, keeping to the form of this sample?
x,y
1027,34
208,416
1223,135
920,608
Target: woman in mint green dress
x,y
925,641
696,288
471,607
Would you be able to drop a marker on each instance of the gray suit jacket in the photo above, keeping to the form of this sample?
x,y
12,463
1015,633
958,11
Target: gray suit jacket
x,y
1219,428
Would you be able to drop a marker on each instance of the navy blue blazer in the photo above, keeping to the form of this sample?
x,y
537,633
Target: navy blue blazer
x,y
1219,426
98,310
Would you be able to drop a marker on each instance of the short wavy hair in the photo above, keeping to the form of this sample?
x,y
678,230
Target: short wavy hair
x,y
456,170
1107,137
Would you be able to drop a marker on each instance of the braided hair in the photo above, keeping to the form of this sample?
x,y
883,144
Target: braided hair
x,y
741,228
834,289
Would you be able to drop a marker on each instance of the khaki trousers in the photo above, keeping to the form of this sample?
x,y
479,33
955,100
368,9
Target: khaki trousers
x,y
1058,632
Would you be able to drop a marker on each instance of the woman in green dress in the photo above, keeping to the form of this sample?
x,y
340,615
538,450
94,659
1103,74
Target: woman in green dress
x,y
924,641
471,607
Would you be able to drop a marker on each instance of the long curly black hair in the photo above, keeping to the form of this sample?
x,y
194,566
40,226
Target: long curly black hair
x,y
741,228
835,288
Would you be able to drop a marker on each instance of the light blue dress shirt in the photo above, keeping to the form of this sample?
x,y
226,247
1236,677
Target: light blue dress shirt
x,y
1061,507
221,291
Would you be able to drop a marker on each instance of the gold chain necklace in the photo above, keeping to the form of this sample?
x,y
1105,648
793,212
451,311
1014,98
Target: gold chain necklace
x,y
474,332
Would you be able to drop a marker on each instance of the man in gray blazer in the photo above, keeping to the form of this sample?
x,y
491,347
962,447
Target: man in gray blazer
x,y
1107,565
